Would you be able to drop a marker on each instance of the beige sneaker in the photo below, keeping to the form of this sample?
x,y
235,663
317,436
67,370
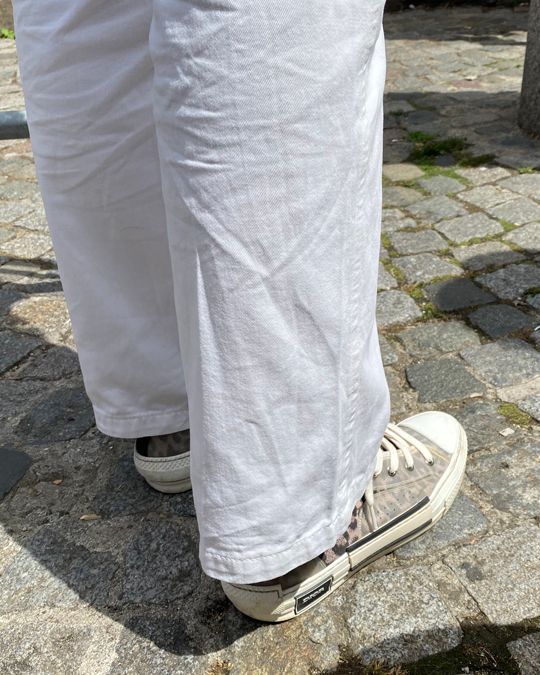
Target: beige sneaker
x,y
163,461
420,466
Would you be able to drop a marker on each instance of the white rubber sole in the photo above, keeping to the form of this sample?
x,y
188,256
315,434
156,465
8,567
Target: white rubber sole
x,y
170,487
271,604
165,474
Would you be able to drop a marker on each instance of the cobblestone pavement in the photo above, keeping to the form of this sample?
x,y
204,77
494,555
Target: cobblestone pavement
x,y
99,573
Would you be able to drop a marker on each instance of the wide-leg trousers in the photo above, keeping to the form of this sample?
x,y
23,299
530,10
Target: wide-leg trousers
x,y
210,171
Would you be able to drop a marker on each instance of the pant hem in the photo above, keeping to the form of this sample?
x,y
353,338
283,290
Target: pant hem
x,y
143,424
249,570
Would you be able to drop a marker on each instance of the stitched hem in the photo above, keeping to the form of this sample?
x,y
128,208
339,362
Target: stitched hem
x,y
142,424
246,570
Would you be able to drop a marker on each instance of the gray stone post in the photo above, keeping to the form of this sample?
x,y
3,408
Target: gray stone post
x,y
529,107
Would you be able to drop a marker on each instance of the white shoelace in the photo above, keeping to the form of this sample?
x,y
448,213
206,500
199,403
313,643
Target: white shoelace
x,y
395,441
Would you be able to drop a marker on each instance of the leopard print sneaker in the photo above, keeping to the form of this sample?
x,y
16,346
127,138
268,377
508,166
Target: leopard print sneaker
x,y
420,466
163,461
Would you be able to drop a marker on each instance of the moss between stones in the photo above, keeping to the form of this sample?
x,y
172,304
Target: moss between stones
x,y
514,414
394,271
507,225
428,147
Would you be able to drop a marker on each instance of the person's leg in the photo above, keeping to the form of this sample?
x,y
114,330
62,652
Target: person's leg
x,y
87,77
269,127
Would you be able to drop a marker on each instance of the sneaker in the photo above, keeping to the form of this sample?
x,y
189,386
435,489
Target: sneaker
x,y
163,461
420,466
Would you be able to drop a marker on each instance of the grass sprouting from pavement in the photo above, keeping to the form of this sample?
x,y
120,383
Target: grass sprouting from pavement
x,y
427,148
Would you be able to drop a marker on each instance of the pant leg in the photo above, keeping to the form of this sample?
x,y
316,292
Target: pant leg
x,y
269,126
87,78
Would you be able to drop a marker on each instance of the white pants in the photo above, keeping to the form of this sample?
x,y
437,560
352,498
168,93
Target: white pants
x,y
211,176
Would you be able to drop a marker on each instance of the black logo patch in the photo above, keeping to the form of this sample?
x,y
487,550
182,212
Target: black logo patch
x,y
314,594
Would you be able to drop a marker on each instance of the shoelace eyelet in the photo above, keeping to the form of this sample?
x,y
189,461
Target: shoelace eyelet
x,y
391,473
430,462
410,468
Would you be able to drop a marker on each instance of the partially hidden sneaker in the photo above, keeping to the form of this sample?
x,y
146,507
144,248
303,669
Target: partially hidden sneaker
x,y
420,466
163,461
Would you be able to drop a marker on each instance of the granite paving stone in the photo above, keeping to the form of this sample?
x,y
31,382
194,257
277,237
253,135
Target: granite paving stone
x,y
515,393
53,571
395,307
20,168
54,363
125,492
44,642
45,315
6,233
503,363
511,282
441,185
526,651
388,353
398,393
14,464
16,398
8,298
425,267
484,174
398,106
13,210
456,598
15,190
487,196
510,477
417,242
443,379
434,209
531,405
400,196
14,347
9,548
160,643
500,320
433,338
402,172
27,246
477,257
394,219
500,571
483,424
526,237
412,622
385,280
526,184
63,414
534,301
462,522
453,294
469,227
161,563
518,211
